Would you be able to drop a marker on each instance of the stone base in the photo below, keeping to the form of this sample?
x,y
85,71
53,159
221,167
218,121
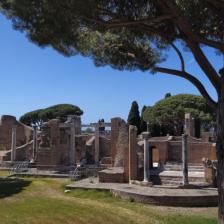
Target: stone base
x,y
111,175
142,183
194,186
154,195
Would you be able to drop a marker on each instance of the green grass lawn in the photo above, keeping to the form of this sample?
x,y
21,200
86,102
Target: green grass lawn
x,y
43,201
4,173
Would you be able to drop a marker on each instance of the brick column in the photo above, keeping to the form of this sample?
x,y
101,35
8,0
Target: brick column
x,y
72,145
34,142
97,143
185,159
133,169
189,125
13,146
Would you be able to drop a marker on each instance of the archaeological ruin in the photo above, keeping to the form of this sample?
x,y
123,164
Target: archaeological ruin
x,y
114,148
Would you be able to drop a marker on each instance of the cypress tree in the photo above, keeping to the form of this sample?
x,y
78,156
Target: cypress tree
x,y
143,124
134,117
167,95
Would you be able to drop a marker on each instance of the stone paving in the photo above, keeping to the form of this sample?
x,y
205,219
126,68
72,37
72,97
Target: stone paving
x,y
159,195
92,183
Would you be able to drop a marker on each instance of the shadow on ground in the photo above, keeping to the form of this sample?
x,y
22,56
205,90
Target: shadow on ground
x,y
11,186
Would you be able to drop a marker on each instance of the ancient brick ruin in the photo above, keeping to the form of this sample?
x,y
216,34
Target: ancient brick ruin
x,y
121,154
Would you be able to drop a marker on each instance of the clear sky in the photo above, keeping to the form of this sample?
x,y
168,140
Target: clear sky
x,y
33,78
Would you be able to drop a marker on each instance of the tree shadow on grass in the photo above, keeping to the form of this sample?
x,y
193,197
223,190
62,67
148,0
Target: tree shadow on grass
x,y
11,186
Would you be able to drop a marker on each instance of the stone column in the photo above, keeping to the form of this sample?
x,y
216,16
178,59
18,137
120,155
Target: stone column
x,y
185,159
145,136
13,146
133,169
189,125
97,143
148,127
34,142
72,145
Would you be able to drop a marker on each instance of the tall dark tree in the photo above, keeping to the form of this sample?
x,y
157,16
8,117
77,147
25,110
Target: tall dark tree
x,y
143,124
167,95
134,117
134,35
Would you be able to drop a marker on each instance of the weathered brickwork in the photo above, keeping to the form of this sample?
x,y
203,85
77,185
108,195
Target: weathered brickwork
x,y
24,133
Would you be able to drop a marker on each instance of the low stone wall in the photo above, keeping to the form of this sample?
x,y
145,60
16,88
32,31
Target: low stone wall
x,y
111,175
165,200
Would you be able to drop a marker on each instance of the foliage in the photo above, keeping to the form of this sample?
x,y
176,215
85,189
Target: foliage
x,y
88,131
167,115
168,95
134,117
131,35
59,111
143,124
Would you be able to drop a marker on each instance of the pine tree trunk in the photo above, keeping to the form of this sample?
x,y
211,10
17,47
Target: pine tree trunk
x,y
220,153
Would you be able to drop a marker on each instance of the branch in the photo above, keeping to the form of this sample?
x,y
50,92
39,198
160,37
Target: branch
x,y
205,65
125,23
193,80
216,3
184,25
180,57
211,43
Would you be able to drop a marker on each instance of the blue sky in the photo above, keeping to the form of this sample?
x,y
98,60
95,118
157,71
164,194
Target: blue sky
x,y
33,78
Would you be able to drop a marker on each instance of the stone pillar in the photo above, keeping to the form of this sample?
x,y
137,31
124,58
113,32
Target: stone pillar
x,y
34,142
13,146
185,159
72,145
75,128
148,127
115,127
189,125
145,136
78,125
97,143
133,168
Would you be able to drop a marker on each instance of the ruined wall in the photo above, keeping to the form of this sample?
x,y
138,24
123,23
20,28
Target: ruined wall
x,y
105,147
90,149
197,151
115,125
23,135
119,172
54,148
120,146
81,149
49,153
25,152
175,152
170,150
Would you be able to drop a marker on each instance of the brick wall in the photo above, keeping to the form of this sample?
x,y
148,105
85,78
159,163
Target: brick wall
x,y
23,133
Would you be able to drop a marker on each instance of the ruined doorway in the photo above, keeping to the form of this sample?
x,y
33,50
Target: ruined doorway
x,y
154,157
